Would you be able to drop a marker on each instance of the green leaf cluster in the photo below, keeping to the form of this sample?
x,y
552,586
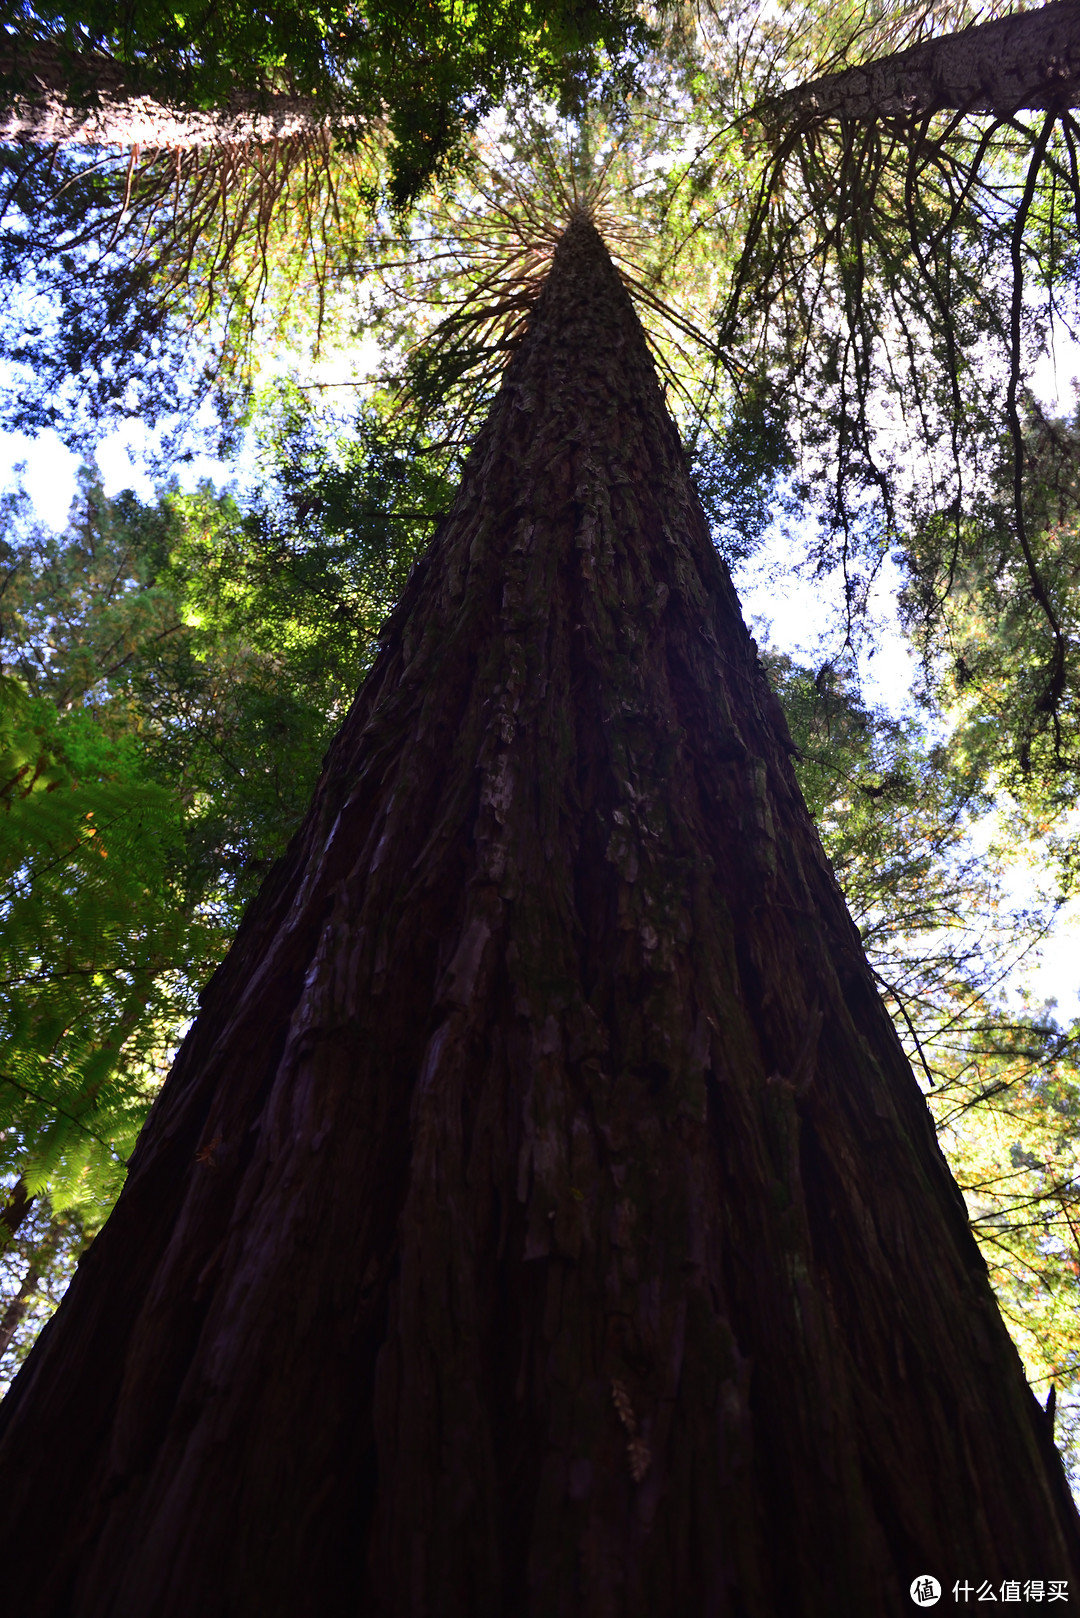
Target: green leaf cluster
x,y
1010,681
899,811
173,675
37,1261
431,68
90,935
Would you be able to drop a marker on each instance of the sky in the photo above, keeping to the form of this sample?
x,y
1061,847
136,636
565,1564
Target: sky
x,y
801,622
51,469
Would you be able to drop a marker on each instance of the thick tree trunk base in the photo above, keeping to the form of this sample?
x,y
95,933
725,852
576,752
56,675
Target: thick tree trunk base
x,y
542,1218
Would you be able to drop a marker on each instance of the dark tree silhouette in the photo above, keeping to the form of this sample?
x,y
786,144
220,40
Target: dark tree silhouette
x,y
541,1217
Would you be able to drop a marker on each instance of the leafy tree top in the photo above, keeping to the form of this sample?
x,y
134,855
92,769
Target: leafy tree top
x,y
430,71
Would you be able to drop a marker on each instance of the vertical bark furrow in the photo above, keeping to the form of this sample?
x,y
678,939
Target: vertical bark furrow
x,y
541,1218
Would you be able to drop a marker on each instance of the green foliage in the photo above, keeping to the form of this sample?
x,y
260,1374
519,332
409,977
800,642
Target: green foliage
x,y
144,260
1010,684
738,473
36,1264
897,814
431,69
89,946
283,604
140,285
896,811
176,674
1008,1118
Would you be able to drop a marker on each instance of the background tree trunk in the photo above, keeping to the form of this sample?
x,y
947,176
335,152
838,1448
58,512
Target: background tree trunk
x,y
541,1217
1031,59
17,1207
40,1258
49,96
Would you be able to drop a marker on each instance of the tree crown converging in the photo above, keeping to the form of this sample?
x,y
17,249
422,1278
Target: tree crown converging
x,y
219,611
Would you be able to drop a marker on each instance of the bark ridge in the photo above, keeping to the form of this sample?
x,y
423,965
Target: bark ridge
x,y
541,1218
1028,60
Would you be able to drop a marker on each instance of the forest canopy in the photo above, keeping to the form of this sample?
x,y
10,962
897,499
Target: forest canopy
x,y
849,258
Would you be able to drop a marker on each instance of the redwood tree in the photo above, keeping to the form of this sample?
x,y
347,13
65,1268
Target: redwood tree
x,y
541,1217
1025,60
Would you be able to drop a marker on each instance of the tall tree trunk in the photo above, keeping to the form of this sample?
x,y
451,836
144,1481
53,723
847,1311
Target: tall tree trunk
x,y
1031,59
51,97
541,1218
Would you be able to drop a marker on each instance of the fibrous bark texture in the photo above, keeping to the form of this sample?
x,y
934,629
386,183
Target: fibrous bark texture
x,y
42,105
1028,60
541,1220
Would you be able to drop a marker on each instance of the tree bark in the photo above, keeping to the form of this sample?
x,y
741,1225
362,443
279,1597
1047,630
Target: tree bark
x,y
1028,60
40,1259
17,1208
52,99
541,1217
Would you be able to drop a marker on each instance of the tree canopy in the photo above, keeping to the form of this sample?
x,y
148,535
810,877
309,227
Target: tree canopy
x,y
426,72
